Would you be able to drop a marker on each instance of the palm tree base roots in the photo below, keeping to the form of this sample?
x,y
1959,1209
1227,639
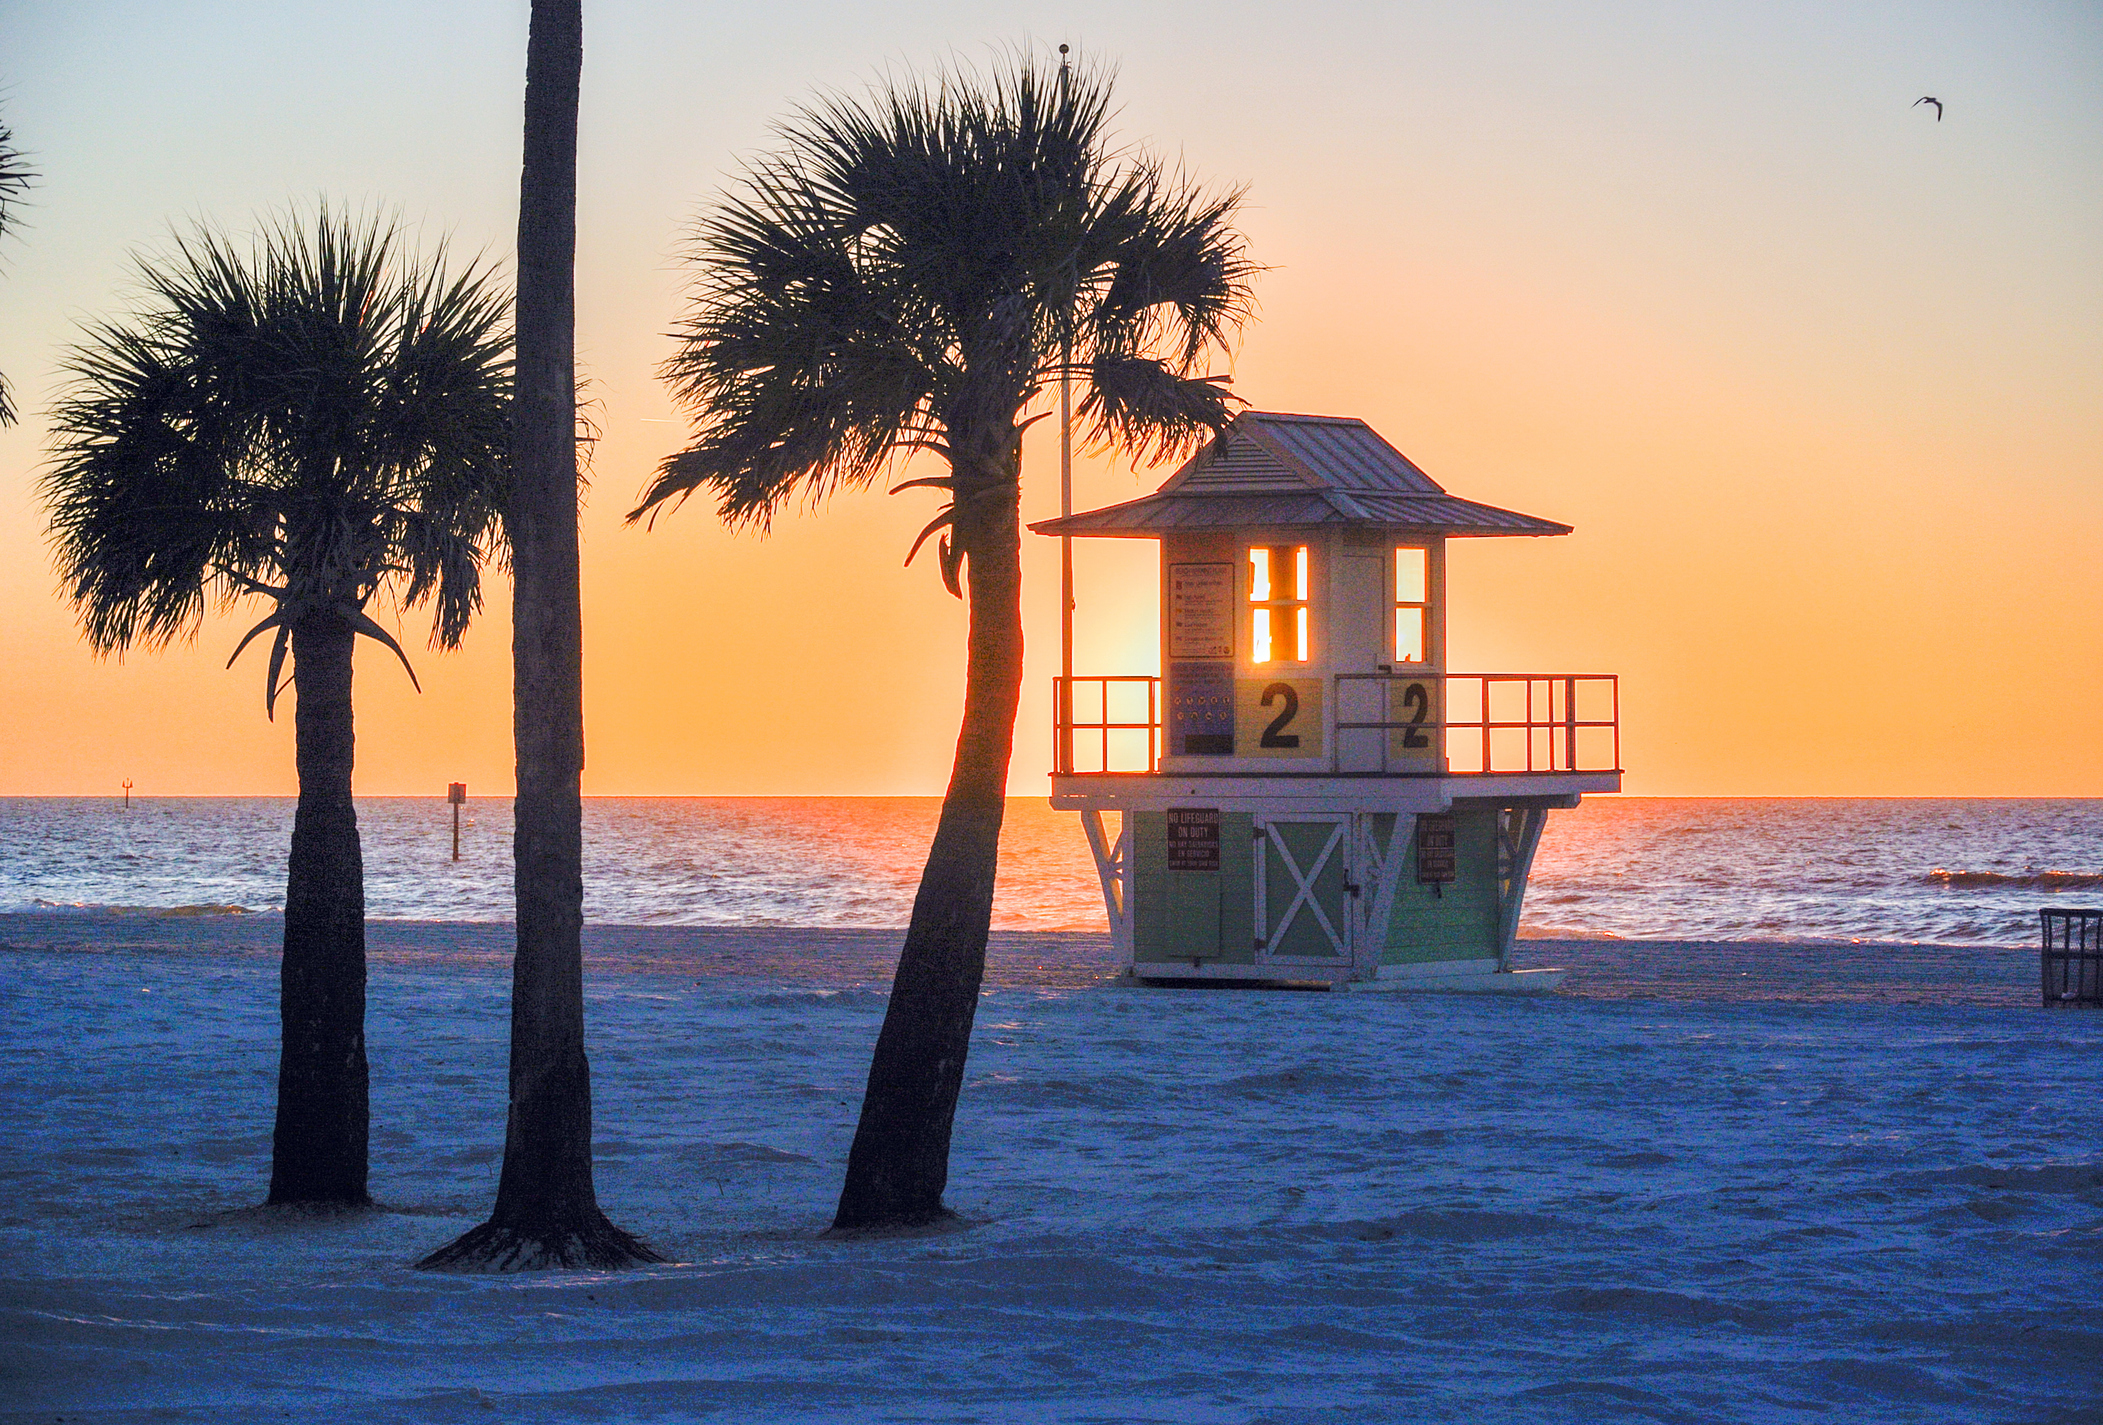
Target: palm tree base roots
x,y
938,1223
597,1246
299,1210
317,1206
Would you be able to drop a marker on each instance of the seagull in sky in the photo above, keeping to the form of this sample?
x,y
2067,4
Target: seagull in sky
x,y
1930,99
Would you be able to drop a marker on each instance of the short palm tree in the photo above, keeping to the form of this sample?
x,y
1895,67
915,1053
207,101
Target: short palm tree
x,y
914,274
315,421
15,179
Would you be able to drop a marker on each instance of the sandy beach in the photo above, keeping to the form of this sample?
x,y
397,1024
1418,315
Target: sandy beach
x,y
1232,1207
1712,970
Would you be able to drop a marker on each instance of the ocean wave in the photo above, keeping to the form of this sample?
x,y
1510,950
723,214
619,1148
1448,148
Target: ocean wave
x,y
154,911
1548,930
2028,880
1796,871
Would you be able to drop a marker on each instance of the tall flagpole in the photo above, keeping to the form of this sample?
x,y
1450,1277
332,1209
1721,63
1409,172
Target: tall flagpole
x,y
1062,755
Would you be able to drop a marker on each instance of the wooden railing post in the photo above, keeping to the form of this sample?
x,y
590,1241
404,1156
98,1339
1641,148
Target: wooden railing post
x,y
1569,724
1102,708
1483,692
1529,730
1154,732
1062,753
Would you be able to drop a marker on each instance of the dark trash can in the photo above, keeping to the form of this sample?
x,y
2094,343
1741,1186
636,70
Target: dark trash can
x,y
2073,957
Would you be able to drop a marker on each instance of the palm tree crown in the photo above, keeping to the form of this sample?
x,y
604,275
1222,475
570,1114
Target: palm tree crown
x,y
910,274
315,420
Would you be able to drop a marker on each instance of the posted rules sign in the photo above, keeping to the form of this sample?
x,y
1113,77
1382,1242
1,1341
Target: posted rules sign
x,y
1193,839
1437,849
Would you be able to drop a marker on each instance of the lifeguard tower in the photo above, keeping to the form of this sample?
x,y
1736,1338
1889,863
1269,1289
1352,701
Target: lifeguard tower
x,y
1306,794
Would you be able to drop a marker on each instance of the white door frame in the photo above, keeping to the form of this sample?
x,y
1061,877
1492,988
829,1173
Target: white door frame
x,y
1340,936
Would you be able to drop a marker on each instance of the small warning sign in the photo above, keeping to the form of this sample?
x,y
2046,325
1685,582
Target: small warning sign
x,y
1437,852
1193,839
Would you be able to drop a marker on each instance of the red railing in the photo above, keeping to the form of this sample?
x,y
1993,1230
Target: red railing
x,y
1507,722
1137,738
1492,723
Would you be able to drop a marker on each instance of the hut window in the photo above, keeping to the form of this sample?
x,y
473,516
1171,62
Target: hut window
x,y
1412,603
1278,590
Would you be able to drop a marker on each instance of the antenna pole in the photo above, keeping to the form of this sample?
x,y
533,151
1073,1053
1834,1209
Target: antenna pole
x,y
1062,754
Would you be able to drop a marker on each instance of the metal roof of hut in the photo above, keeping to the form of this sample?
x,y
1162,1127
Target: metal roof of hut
x,y
1268,468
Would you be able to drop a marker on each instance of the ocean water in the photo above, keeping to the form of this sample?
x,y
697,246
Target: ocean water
x,y
1937,872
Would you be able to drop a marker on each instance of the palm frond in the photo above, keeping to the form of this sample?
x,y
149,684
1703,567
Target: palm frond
x,y
15,179
904,273
16,176
315,417
1143,405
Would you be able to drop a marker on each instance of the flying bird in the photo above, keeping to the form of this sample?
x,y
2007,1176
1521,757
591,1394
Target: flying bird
x,y
1929,99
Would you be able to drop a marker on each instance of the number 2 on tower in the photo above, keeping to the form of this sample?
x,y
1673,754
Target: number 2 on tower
x,y
1275,735
1416,701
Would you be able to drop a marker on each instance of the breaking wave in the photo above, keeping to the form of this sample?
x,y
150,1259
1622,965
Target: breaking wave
x,y
158,911
2028,880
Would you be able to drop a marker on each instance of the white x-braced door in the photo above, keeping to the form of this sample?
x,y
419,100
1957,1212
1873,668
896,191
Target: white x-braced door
x,y
1304,889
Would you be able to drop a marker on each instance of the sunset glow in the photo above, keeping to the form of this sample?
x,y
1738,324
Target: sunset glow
x,y
1412,598
1238,712
1813,375
1279,628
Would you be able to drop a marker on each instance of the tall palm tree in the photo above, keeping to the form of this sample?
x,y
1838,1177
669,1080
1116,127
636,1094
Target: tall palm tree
x,y
913,274
315,421
15,178
547,1210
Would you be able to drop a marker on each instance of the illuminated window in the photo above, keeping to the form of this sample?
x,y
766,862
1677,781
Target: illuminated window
x,y
1412,603
1278,590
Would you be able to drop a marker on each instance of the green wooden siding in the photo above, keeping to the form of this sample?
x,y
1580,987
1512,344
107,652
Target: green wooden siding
x,y
1453,922
1180,916
1190,915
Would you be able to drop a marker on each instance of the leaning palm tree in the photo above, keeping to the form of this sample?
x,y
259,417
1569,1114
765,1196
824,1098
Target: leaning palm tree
x,y
914,274
314,421
15,178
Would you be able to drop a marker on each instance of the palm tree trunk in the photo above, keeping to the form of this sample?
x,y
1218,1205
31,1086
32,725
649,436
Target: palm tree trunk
x,y
318,1149
547,1211
899,1164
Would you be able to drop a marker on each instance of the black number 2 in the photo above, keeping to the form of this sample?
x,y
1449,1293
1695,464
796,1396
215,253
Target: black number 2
x,y
1274,735
1416,700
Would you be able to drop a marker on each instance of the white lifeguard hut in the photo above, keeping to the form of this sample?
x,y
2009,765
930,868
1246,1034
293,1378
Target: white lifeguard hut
x,y
1305,793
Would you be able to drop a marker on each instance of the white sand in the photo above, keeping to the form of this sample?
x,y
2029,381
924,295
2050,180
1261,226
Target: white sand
x,y
1231,1207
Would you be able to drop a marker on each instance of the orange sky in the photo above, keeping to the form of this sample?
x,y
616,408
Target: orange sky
x,y
1816,378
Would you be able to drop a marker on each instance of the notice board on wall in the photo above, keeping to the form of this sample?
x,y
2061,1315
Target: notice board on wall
x,y
1201,611
1193,839
1438,850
